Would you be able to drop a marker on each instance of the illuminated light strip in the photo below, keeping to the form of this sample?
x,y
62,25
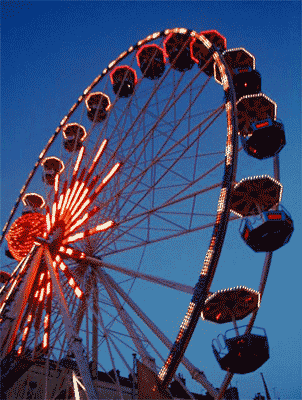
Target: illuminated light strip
x,y
72,194
89,232
54,211
206,262
164,369
48,222
65,201
107,178
14,282
62,196
63,121
74,238
76,197
186,320
11,289
221,201
60,201
1,308
42,153
97,157
83,207
111,64
48,288
25,332
72,208
71,281
45,340
77,224
80,222
57,178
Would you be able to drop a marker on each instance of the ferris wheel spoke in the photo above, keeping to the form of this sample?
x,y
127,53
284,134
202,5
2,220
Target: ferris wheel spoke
x,y
130,129
162,360
143,242
196,374
163,113
82,363
158,157
121,355
162,176
117,337
136,274
125,317
110,353
163,238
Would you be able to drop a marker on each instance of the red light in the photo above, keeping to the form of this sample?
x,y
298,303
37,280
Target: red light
x,y
274,216
262,125
119,71
23,232
246,233
218,316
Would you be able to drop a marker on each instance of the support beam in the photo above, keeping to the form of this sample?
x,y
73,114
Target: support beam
x,y
76,342
126,319
17,308
95,318
227,380
196,374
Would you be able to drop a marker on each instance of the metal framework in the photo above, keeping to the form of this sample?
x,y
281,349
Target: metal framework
x,y
136,182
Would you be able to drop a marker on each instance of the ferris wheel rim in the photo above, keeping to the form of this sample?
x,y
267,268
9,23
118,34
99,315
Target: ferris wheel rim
x,y
86,93
82,98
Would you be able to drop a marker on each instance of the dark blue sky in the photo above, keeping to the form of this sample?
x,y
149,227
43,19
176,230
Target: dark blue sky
x,y
51,51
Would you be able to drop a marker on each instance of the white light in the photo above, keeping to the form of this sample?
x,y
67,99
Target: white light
x,y
111,64
122,55
63,121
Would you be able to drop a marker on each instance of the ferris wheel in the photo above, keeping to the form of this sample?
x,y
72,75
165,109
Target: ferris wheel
x,y
142,165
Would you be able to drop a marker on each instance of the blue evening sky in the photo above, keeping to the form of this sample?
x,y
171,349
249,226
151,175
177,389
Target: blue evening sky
x,y
52,50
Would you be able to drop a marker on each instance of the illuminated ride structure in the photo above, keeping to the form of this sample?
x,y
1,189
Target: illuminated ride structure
x,y
148,155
